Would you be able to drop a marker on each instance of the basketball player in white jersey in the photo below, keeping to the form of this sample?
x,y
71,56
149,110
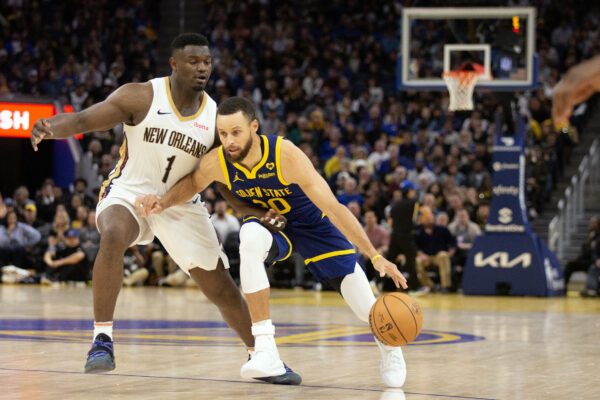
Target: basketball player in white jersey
x,y
169,124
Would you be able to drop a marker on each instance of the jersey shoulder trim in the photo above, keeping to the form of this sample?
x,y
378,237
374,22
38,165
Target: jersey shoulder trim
x,y
278,161
252,174
176,111
224,166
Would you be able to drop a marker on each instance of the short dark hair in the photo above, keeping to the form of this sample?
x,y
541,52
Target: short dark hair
x,y
185,39
80,180
234,104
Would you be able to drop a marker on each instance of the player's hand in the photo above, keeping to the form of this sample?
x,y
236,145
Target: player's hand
x,y
273,221
576,86
41,130
384,267
147,205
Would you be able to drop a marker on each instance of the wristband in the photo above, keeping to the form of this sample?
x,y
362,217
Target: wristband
x,y
375,257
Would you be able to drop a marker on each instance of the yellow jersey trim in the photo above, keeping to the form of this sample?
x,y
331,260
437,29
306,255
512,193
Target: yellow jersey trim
x,y
176,111
250,217
117,170
289,252
278,161
224,166
252,175
328,255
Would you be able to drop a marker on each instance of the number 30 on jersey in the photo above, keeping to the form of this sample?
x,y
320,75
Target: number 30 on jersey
x,y
277,204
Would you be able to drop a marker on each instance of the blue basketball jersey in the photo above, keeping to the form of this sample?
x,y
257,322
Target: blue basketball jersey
x,y
264,186
326,252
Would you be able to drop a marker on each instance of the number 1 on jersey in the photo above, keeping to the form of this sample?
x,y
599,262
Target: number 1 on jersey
x,y
170,160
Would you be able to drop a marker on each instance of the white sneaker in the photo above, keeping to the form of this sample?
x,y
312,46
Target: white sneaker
x,y
393,366
262,364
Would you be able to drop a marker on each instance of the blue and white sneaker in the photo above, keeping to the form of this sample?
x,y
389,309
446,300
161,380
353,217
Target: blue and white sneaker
x,y
288,378
101,356
267,367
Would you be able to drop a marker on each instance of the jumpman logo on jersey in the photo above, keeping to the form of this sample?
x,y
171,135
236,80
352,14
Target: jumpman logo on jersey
x,y
236,178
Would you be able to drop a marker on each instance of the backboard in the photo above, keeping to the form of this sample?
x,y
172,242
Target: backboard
x,y
435,40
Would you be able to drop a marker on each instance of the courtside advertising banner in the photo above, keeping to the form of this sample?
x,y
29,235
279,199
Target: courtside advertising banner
x,y
508,257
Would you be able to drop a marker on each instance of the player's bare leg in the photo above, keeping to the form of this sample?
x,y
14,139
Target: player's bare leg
x,y
118,230
219,288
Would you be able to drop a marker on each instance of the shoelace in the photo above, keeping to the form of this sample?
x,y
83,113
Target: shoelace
x,y
393,358
100,348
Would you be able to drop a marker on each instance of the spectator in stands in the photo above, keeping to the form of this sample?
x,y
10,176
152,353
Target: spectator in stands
x,y
441,219
592,284
60,225
225,223
350,193
31,218
15,240
46,202
21,198
464,231
435,247
90,237
80,187
585,257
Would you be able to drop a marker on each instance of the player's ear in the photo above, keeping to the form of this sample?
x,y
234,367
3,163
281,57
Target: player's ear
x,y
254,126
173,63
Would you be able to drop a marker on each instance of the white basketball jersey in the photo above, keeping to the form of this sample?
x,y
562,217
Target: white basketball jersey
x,y
164,147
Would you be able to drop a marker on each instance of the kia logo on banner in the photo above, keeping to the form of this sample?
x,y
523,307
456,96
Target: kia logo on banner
x,y
502,259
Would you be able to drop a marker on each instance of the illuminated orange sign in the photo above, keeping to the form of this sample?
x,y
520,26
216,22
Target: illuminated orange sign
x,y
17,119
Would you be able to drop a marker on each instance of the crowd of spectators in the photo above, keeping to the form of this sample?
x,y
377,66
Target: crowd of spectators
x,y
323,76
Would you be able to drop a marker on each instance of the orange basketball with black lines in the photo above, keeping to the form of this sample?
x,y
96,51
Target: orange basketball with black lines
x,y
396,319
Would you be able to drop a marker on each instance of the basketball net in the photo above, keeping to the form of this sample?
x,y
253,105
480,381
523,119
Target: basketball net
x,y
460,86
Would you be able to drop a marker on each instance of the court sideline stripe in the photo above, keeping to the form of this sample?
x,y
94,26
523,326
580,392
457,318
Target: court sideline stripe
x,y
236,381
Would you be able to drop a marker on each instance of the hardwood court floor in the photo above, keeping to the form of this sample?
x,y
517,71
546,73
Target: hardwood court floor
x,y
171,344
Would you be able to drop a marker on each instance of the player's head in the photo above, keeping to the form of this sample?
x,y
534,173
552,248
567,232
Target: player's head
x,y
190,60
236,124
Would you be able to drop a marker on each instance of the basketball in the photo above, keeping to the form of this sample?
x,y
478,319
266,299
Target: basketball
x,y
396,319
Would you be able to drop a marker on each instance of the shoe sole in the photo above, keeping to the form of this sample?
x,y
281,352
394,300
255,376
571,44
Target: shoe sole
x,y
289,378
98,367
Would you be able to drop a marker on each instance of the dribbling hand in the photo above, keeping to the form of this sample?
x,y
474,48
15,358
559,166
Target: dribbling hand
x,y
384,267
147,205
40,131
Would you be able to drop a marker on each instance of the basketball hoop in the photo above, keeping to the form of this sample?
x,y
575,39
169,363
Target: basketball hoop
x,y
460,86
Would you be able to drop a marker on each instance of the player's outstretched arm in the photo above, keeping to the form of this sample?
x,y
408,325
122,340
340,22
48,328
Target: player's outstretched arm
x,y
298,169
129,104
207,172
578,84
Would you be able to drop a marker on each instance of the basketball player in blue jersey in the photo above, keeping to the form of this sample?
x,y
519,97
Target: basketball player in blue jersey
x,y
169,124
274,174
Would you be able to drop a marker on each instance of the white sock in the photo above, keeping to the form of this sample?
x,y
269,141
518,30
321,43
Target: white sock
x,y
264,336
103,327
356,290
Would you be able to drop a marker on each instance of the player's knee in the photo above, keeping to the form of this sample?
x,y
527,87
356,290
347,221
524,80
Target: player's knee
x,y
255,241
116,238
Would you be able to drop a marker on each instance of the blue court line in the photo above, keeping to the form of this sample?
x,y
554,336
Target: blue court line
x,y
237,381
